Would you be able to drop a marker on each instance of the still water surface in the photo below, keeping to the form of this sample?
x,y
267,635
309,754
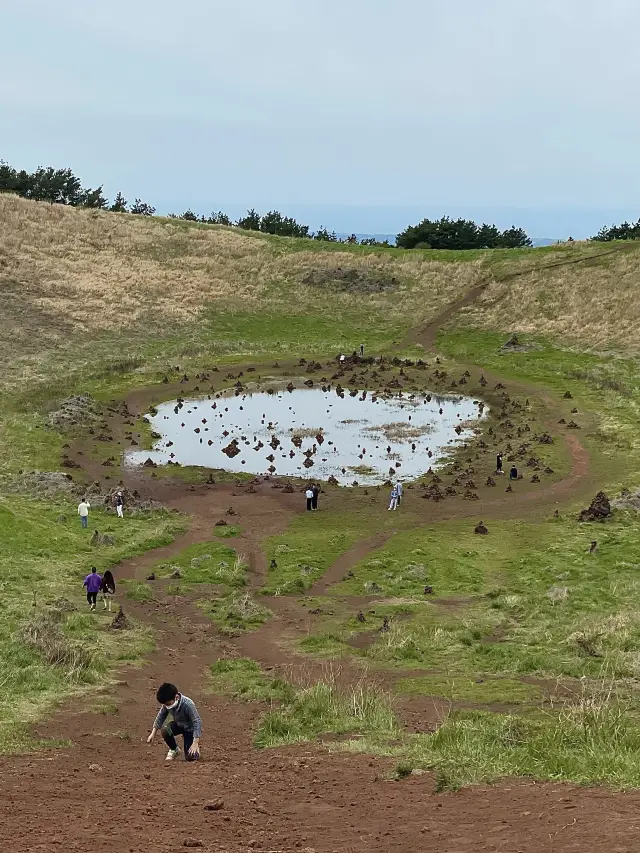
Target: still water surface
x,y
357,438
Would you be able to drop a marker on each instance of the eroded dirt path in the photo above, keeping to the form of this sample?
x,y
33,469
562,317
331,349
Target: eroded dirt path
x,y
110,792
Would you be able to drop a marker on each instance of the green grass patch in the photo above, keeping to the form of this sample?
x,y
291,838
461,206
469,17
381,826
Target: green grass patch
x,y
206,563
243,678
56,648
238,611
477,690
326,708
310,545
324,644
227,532
138,591
584,745
528,599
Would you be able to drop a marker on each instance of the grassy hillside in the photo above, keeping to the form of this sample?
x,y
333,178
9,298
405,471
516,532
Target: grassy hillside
x,y
583,296
92,287
104,303
87,293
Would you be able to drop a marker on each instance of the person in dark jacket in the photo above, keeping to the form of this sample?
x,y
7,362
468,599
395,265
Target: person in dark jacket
x,y
107,589
185,723
314,500
119,502
513,473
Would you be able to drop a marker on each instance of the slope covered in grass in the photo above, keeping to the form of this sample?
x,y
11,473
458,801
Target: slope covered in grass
x,y
94,286
583,296
50,644
95,295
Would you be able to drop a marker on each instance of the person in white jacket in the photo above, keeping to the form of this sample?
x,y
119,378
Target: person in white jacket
x,y
83,511
400,491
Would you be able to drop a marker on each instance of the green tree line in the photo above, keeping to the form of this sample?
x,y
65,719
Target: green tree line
x,y
624,231
62,186
457,234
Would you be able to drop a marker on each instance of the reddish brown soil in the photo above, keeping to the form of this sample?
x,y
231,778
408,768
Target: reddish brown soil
x,y
111,792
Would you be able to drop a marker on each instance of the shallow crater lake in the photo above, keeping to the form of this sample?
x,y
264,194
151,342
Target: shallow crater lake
x,y
312,433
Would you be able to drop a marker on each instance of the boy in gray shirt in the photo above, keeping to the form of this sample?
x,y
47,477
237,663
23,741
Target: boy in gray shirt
x,y
186,723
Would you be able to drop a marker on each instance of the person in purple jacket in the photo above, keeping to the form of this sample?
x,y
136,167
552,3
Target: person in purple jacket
x,y
93,583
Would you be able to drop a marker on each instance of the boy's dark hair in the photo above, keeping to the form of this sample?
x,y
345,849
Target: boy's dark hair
x,y
166,693
93,569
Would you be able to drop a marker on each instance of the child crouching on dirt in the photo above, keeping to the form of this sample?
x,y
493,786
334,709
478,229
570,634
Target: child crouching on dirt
x,y
186,723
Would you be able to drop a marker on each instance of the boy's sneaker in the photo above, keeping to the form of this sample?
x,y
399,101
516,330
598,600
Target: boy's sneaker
x,y
173,753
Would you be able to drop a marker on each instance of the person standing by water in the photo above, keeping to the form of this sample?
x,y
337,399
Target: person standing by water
x,y
400,490
309,497
93,583
83,511
314,500
393,503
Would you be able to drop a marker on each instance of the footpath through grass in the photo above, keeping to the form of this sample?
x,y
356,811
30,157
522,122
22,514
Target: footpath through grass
x,y
50,645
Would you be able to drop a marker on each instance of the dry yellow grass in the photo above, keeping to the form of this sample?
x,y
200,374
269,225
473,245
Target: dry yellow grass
x,y
97,270
74,278
592,305
70,277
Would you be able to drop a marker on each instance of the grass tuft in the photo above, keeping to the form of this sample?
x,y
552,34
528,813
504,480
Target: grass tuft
x,y
327,708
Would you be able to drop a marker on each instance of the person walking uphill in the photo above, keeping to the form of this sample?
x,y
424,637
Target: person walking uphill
x,y
83,511
309,496
107,589
93,583
186,723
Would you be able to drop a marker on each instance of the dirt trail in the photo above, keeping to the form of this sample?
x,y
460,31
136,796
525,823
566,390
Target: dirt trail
x,y
110,792
428,334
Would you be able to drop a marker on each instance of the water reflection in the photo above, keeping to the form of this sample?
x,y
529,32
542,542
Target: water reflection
x,y
313,433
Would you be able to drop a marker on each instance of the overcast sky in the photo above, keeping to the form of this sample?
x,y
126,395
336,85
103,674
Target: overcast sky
x,y
375,109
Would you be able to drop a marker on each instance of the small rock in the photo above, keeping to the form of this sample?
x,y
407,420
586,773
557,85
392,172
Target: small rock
x,y
214,806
